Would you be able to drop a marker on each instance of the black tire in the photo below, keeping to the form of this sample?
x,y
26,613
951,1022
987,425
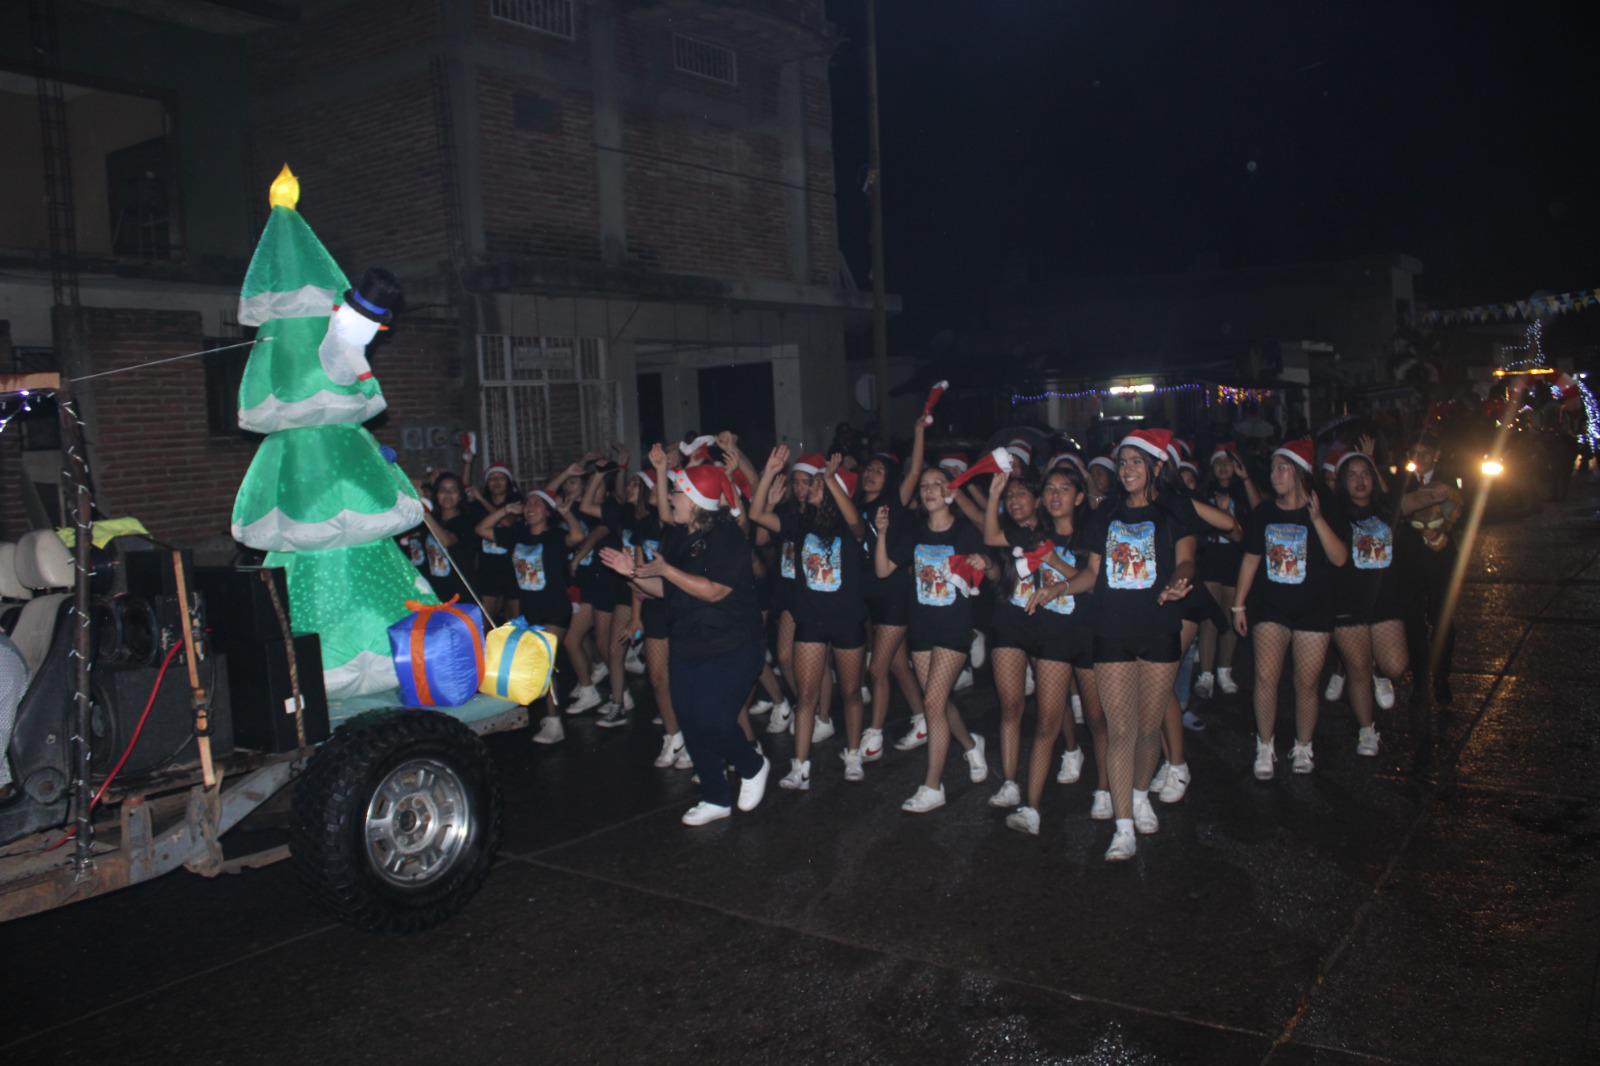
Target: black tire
x,y
334,814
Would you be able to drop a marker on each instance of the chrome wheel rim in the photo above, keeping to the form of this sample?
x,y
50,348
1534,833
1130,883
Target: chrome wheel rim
x,y
418,822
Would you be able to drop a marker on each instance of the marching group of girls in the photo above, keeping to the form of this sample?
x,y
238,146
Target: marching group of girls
x,y
1104,571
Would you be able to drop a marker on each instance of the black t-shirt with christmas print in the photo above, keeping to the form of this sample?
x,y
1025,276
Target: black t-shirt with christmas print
x,y
828,566
1295,579
941,614
539,563
1138,554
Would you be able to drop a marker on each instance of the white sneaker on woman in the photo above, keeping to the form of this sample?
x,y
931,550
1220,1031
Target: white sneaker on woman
x,y
1144,815
1177,784
1383,692
1205,684
871,744
1024,820
781,716
1124,845
977,767
1225,681
979,650
1266,755
684,761
963,680
550,732
1159,782
1071,767
1077,708
1008,796
924,800
799,776
703,812
1100,808
1301,754
1367,741
1335,688
598,672
671,745
586,698
852,765
760,707
821,730
752,789
916,736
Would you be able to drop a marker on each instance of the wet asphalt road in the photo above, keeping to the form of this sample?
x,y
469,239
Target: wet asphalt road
x,y
1356,915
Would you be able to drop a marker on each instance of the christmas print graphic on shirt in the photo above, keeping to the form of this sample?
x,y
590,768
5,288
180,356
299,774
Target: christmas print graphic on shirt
x,y
1050,577
438,559
1372,544
786,561
529,563
931,563
822,564
651,548
491,548
1286,553
414,550
1130,555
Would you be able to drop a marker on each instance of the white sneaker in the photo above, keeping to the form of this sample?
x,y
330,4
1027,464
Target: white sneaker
x,y
1124,845
1367,741
821,730
1071,767
751,790
963,680
1266,755
1225,681
916,736
598,672
633,663
1383,692
979,652
702,812
1301,754
1077,708
977,767
1024,820
871,745
586,698
1100,809
760,707
1177,784
1144,815
683,761
1008,796
866,693
1159,782
611,716
1193,722
782,714
1335,688
671,745
799,776
1205,685
1027,681
627,700
852,766
924,800
550,732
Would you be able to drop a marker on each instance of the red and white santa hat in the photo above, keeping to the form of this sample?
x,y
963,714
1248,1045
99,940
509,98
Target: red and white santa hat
x,y
649,479
953,463
964,576
497,468
887,458
708,486
1000,460
699,449
1105,461
1353,453
1065,458
1184,446
1028,562
1332,458
1184,464
847,479
549,500
812,463
1225,449
1302,453
1155,443
1021,449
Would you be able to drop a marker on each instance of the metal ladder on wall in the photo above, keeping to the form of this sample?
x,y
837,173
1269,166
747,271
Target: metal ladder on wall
x,y
61,216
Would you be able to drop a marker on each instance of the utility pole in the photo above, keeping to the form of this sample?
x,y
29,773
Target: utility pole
x,y
880,316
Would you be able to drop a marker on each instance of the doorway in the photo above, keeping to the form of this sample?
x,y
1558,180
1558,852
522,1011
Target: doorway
x,y
738,397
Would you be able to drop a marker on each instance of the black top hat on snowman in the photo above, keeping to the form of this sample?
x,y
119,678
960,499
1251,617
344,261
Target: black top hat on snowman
x,y
375,296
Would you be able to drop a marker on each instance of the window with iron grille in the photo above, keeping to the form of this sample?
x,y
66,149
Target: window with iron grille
x,y
554,17
544,400
704,59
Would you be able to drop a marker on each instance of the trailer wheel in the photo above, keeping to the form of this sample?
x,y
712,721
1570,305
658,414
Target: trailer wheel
x,y
396,820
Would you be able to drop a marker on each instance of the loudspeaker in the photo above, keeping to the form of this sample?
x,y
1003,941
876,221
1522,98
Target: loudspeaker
x,y
168,737
149,573
262,703
239,607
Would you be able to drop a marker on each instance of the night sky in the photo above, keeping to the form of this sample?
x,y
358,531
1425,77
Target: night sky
x,y
1070,138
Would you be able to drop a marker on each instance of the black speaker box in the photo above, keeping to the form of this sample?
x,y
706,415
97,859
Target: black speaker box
x,y
149,573
262,703
239,606
168,736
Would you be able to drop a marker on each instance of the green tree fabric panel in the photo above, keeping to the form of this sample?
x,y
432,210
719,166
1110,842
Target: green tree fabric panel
x,y
285,387
291,274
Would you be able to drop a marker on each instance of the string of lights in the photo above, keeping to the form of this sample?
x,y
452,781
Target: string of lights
x,y
1531,361
1147,389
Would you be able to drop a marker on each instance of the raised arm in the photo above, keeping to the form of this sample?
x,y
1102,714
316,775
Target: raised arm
x,y
658,463
993,536
881,563
919,448
761,508
1251,493
485,528
841,499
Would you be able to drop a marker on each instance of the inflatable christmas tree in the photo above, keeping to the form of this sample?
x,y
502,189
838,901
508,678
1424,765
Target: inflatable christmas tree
x,y
321,497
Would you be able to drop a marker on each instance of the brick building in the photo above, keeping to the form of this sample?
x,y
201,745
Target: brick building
x,y
614,220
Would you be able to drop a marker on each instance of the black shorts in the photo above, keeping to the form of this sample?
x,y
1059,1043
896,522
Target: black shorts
x,y
1366,617
890,609
764,595
782,598
496,575
1148,647
600,588
1219,564
1320,621
548,614
846,634
1199,606
657,621
1012,627
1070,643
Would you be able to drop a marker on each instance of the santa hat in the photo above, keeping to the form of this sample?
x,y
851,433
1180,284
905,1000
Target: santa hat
x,y
497,468
847,480
1155,443
1184,464
934,393
1301,453
888,458
1353,454
1068,457
1021,449
1001,460
964,576
549,500
1225,449
742,483
1333,456
1101,460
648,478
953,463
1028,562
709,488
1186,447
698,450
812,463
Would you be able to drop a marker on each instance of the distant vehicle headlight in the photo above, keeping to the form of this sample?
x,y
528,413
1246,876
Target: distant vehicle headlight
x,y
1492,468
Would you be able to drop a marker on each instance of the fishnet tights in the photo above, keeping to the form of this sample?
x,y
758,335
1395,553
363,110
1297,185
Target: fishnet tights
x,y
1010,666
811,667
1052,683
1215,653
889,656
1172,723
1384,642
656,654
1094,716
1135,697
937,670
786,664
577,655
1272,640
